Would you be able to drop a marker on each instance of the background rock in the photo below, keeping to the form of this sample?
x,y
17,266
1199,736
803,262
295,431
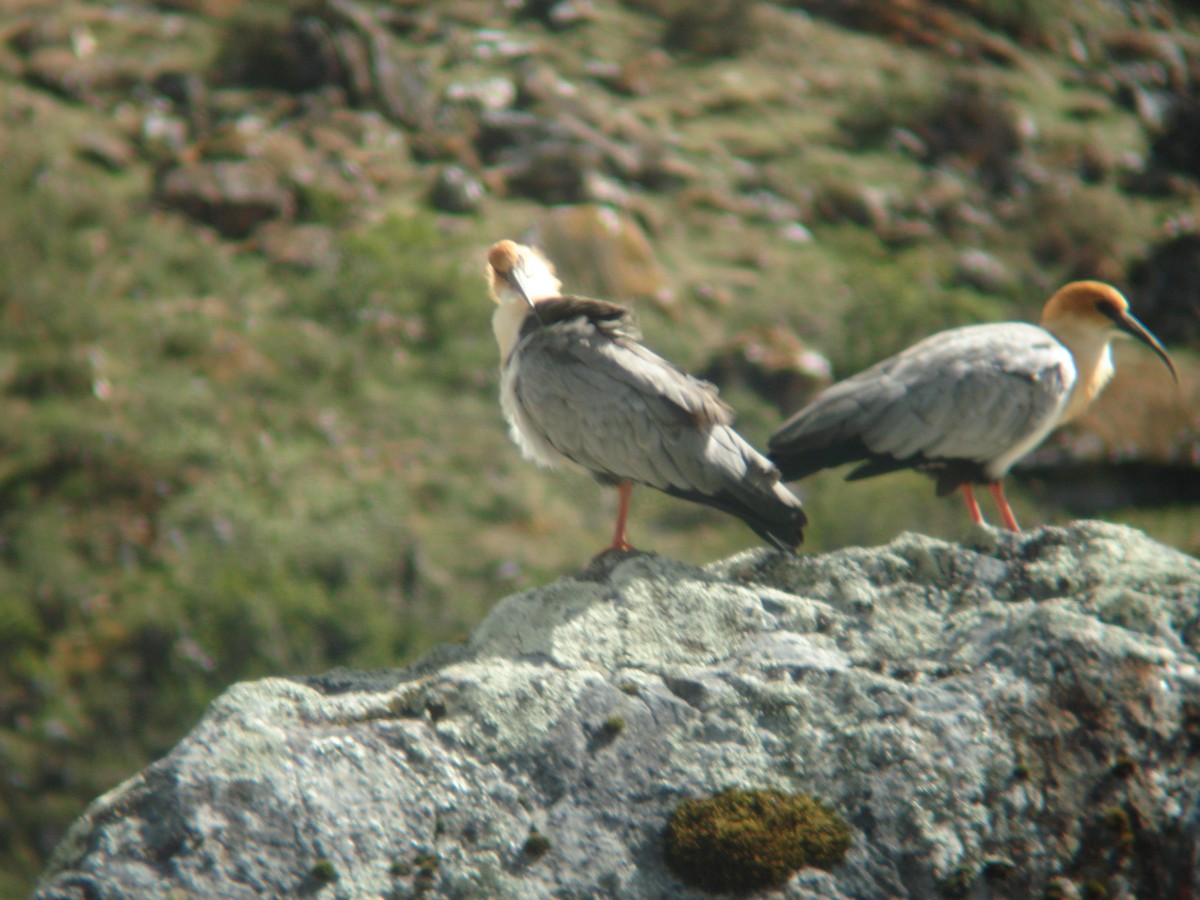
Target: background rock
x,y
232,196
772,362
1168,289
988,717
602,253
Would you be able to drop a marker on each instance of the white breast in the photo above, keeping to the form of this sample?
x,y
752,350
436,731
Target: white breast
x,y
525,434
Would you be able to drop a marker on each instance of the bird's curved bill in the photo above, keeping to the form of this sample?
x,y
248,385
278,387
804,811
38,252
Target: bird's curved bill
x,y
1130,325
517,280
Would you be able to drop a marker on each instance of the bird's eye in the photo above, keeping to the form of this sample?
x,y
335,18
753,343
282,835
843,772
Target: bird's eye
x,y
1108,309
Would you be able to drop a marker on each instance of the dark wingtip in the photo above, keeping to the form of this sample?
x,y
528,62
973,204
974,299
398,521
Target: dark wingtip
x,y
795,463
792,469
780,525
785,536
789,543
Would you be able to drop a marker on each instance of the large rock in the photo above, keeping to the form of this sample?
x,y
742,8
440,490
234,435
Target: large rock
x,y
991,718
233,196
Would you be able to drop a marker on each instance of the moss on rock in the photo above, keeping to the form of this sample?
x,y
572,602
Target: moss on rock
x,y
747,840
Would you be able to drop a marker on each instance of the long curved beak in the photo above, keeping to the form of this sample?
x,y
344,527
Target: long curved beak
x,y
1126,322
516,278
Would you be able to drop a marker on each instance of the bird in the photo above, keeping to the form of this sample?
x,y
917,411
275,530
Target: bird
x,y
579,390
964,405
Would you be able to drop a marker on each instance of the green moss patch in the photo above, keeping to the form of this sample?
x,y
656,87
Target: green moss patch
x,y
747,840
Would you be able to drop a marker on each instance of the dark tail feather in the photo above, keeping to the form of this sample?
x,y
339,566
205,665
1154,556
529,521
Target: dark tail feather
x,y
950,473
779,524
799,462
882,465
782,537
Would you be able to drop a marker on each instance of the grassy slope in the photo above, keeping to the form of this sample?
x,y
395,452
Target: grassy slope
x,y
216,469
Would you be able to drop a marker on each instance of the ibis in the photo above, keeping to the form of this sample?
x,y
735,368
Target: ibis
x,y
963,405
579,390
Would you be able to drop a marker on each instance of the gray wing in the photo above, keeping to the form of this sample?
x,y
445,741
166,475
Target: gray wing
x,y
625,413
966,394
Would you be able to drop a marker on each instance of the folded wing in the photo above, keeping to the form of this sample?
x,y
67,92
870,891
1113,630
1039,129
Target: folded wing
x,y
611,405
970,399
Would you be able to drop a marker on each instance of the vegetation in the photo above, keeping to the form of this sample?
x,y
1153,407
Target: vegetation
x,y
742,841
324,872
536,845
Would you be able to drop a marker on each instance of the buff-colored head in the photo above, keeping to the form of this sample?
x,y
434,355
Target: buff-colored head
x,y
1085,302
1097,309
518,277
517,273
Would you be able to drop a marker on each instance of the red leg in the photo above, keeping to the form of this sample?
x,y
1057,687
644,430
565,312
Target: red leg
x,y
972,507
1006,513
624,492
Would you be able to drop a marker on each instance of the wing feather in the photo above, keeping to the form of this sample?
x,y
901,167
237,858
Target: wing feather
x,y
612,409
967,394
609,404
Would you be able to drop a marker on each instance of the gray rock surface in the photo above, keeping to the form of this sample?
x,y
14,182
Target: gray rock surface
x,y
991,718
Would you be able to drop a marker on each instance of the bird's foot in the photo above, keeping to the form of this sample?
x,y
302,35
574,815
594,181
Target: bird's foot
x,y
601,565
612,550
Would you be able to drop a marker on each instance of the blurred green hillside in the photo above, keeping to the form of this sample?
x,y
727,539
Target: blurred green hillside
x,y
246,367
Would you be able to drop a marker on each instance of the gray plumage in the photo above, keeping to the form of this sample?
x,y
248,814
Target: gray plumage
x,y
580,385
965,404
962,405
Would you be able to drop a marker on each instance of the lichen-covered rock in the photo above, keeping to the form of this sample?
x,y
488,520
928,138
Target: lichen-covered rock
x,y
456,190
986,717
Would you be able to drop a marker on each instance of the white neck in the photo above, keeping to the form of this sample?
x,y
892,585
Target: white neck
x,y
507,319
1092,351
536,277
